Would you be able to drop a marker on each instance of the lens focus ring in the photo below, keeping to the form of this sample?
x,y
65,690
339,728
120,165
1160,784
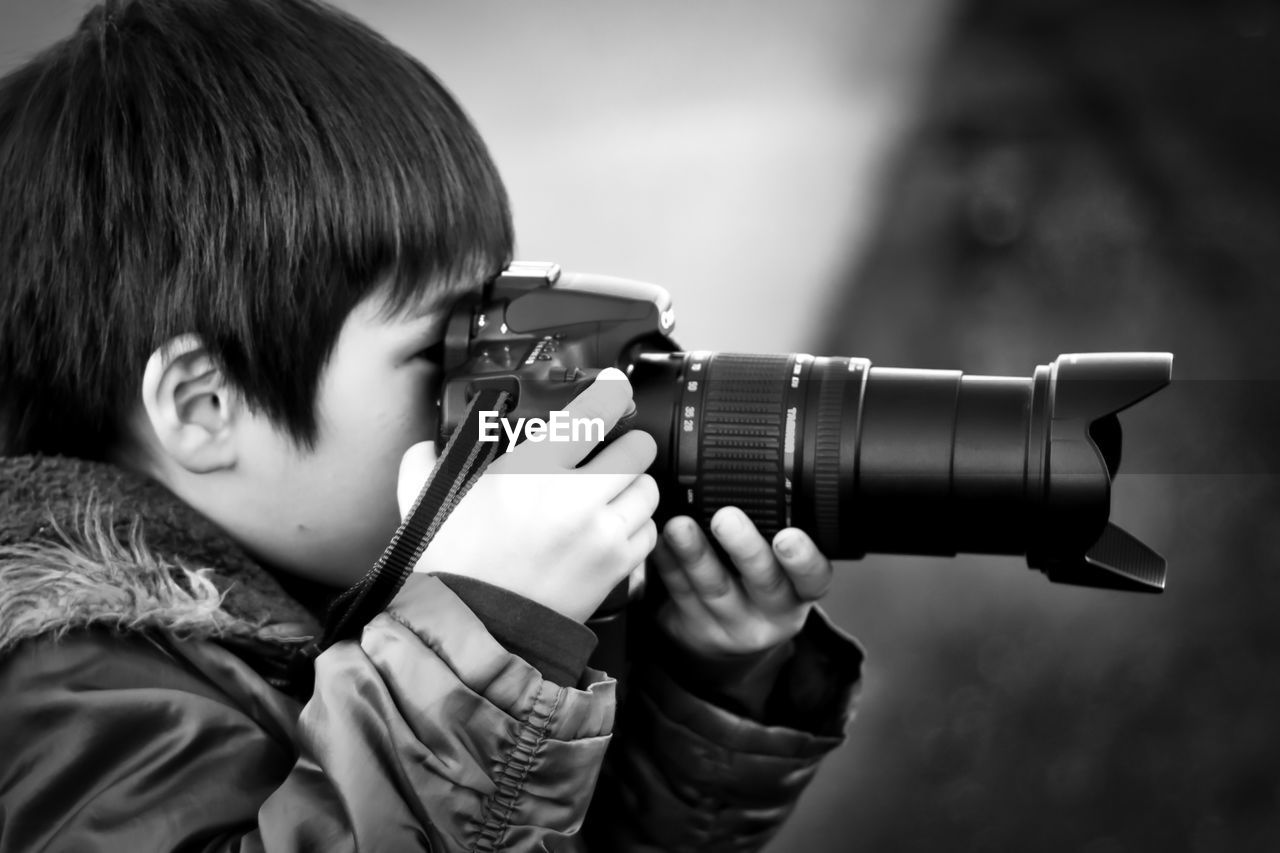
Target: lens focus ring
x,y
825,472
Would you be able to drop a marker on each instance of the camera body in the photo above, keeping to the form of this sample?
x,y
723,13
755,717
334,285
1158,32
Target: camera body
x,y
545,344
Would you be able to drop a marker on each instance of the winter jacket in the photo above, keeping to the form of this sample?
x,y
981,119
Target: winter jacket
x,y
146,704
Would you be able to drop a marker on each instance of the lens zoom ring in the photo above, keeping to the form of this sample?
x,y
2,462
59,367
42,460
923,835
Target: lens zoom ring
x,y
741,442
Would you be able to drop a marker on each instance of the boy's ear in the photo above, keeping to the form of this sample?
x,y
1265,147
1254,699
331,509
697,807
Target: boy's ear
x,y
191,408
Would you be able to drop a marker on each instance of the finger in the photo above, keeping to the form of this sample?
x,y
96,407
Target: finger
x,y
637,579
416,466
636,503
613,470
763,579
590,417
641,543
718,591
807,568
626,456
680,593
668,567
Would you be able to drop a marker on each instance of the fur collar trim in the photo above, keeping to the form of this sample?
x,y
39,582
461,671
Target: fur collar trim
x,y
88,545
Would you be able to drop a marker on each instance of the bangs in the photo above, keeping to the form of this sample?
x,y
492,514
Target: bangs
x,y
406,187
342,154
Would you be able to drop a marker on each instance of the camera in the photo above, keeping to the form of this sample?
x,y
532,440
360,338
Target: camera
x,y
865,459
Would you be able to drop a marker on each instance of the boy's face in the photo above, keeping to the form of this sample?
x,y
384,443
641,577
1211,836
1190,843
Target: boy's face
x,y
327,513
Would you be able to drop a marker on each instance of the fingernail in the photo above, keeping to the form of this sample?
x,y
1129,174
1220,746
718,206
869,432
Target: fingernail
x,y
722,523
788,543
731,523
680,533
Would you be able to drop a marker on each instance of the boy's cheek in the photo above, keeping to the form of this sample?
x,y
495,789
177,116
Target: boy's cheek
x,y
419,391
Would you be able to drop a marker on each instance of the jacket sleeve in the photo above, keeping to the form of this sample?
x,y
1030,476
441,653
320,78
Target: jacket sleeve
x,y
686,774
424,735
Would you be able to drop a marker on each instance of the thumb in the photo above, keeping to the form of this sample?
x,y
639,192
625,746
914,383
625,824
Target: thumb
x,y
415,467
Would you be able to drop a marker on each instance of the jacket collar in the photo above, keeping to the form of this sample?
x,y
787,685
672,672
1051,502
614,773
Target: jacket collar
x,y
85,544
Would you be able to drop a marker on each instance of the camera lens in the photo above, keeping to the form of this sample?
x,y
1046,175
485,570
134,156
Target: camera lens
x,y
890,460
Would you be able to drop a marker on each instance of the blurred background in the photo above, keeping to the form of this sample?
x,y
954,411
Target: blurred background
x,y
973,184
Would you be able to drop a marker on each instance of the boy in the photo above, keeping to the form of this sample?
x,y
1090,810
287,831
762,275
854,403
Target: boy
x,y
231,230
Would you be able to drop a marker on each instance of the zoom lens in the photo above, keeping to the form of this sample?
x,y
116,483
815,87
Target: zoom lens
x,y
888,460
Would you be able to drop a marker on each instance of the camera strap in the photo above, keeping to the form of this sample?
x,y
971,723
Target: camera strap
x,y
464,459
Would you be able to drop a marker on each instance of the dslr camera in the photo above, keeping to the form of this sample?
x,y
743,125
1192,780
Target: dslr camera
x,y
863,458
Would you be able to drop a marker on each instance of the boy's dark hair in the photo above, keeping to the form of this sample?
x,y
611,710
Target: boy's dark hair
x,y
245,170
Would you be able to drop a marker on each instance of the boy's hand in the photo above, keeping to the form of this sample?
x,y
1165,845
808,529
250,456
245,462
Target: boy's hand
x,y
714,611
542,528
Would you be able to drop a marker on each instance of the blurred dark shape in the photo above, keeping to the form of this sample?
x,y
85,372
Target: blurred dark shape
x,y
1087,176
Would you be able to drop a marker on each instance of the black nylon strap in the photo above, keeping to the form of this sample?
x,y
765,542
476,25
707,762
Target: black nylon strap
x,y
464,459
